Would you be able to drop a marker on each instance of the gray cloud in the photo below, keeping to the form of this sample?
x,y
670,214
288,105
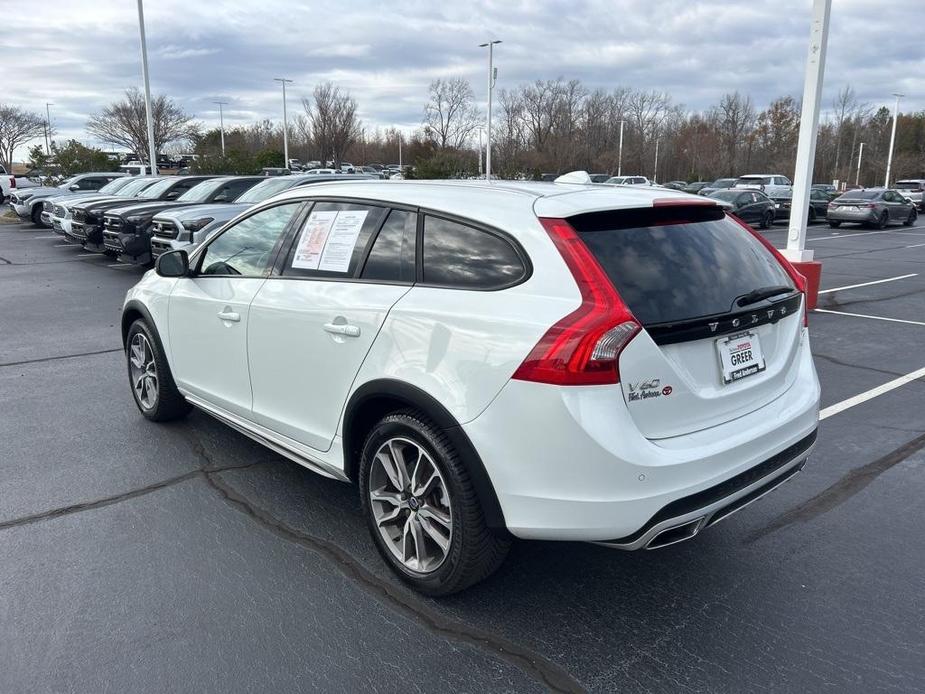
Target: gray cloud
x,y
81,55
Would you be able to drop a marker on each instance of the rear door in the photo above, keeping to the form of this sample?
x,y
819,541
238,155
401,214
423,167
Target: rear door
x,y
708,353
312,324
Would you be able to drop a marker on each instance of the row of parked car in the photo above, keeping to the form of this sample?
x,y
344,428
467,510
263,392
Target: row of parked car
x,y
761,199
137,218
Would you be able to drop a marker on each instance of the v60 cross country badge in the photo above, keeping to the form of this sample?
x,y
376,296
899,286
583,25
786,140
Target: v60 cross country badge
x,y
645,390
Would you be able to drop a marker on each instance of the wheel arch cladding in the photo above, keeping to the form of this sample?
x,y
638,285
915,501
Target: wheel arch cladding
x,y
132,311
375,399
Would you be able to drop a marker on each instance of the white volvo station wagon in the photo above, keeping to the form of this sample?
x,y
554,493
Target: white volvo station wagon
x,y
624,366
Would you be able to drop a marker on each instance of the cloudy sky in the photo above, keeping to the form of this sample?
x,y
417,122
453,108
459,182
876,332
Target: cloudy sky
x,y
82,54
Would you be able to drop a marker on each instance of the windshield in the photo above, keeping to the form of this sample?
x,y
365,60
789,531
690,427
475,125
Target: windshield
x,y
727,195
202,191
861,195
67,181
158,189
136,185
115,185
678,264
722,183
909,185
266,189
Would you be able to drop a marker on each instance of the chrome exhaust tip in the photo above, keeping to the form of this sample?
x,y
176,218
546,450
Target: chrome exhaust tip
x,y
675,534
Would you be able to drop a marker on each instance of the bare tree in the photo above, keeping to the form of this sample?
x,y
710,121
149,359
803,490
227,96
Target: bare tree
x,y
450,116
735,119
124,123
17,127
335,126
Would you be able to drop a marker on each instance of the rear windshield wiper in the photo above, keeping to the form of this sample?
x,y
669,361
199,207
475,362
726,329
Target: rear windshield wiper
x,y
762,293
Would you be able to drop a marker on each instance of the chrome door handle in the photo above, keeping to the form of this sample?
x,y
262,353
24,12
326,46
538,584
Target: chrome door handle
x,y
230,316
342,329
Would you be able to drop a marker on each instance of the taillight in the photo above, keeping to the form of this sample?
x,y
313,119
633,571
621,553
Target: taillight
x,y
12,181
798,280
583,348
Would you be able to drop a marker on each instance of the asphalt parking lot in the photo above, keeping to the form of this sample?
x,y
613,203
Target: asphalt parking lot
x,y
183,557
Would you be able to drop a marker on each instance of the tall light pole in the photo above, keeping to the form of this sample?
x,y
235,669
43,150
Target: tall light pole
x,y
889,159
221,121
809,124
480,129
152,149
655,173
620,151
47,127
860,154
283,80
492,77
400,167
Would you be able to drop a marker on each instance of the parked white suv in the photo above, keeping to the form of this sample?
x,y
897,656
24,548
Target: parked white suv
x,y
544,361
628,181
770,184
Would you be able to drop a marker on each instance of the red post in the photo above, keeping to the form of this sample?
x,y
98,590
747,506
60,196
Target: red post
x,y
812,271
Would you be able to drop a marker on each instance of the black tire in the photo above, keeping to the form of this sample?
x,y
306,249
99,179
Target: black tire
x,y
883,220
168,404
910,220
834,224
767,220
474,552
811,219
36,215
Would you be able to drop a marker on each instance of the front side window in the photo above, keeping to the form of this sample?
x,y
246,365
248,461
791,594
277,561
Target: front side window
x,y
245,249
232,189
460,256
332,241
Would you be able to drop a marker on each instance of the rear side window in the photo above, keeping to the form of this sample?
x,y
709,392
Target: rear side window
x,y
391,258
463,257
677,264
332,240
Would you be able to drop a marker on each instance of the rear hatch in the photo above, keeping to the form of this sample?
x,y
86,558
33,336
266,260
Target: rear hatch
x,y
713,348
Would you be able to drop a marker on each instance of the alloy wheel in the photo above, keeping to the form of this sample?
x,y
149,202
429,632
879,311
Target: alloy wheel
x,y
411,505
143,371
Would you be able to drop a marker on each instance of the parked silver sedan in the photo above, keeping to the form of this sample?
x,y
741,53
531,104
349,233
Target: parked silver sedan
x,y
872,207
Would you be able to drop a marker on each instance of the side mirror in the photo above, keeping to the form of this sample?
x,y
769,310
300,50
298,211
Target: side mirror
x,y
172,264
74,186
172,195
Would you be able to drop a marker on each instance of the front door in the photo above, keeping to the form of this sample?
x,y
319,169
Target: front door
x,y
311,327
207,314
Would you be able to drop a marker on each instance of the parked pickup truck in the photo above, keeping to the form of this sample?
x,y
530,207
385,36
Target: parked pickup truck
x,y
10,183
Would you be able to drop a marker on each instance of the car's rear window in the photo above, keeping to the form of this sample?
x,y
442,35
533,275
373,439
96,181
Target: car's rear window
x,y
676,264
861,195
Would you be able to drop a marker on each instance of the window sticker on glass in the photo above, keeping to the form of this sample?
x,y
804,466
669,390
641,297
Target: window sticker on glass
x,y
342,240
311,242
328,240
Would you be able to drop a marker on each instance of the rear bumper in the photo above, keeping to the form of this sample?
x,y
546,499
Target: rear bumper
x,y
860,216
588,474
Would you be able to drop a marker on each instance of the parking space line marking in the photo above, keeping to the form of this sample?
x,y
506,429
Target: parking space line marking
x,y
916,245
62,245
872,393
119,265
85,255
863,233
867,284
862,315
45,237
